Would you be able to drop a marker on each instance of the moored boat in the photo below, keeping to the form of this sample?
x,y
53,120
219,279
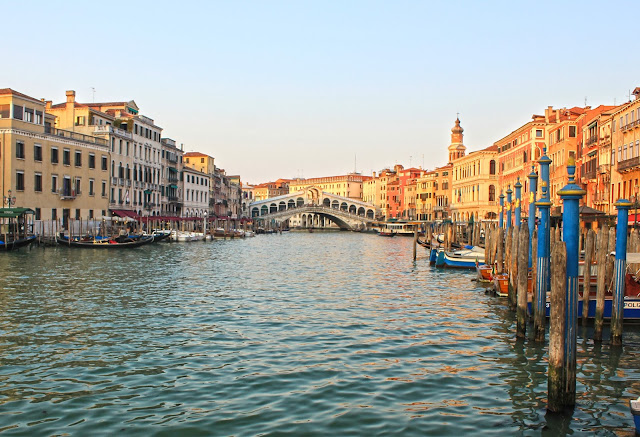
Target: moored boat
x,y
386,234
16,230
465,258
104,242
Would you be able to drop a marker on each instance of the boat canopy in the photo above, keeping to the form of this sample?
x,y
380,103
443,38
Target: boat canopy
x,y
15,212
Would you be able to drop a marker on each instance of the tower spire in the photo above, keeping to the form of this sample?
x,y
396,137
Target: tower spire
x,y
456,148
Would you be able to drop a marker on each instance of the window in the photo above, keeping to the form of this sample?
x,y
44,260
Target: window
x,y
5,111
77,214
54,155
77,187
37,183
38,214
66,157
20,181
572,131
20,149
91,192
78,159
90,214
104,189
37,152
201,160
54,214
492,167
17,112
80,120
38,117
538,133
104,163
28,115
92,160
54,183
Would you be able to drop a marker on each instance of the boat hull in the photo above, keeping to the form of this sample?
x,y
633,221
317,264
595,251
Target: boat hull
x,y
16,244
105,243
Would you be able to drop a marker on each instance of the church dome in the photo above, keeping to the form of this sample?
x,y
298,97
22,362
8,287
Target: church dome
x,y
457,129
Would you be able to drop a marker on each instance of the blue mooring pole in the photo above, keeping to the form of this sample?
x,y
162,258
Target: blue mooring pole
x,y
518,209
509,200
543,282
533,186
571,195
501,209
617,309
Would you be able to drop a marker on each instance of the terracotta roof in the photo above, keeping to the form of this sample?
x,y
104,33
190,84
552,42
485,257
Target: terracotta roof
x,y
9,91
493,148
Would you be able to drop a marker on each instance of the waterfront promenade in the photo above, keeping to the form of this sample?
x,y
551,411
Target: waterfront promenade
x,y
340,333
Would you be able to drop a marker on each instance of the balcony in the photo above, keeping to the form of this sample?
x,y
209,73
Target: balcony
x,y
593,139
78,137
604,168
589,174
114,181
67,194
628,164
101,129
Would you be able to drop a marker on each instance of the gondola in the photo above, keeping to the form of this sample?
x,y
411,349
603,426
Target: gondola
x,y
15,244
105,243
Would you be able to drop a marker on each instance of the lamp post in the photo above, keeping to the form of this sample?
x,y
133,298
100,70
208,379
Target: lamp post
x,y
12,200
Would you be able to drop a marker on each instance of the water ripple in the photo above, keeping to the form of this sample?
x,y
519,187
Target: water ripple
x,y
293,334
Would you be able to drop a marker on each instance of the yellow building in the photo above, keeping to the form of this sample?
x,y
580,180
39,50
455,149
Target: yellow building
x,y
625,152
475,184
58,173
425,196
350,185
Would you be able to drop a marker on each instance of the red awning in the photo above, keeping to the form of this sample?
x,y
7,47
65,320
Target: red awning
x,y
632,219
125,213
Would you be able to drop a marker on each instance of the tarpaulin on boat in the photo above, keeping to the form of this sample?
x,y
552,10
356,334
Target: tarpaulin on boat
x,y
14,212
125,213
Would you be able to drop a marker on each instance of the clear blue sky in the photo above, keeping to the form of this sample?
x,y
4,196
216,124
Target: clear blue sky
x,y
288,88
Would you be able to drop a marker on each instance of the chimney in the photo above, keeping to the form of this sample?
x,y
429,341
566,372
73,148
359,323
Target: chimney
x,y
71,96
48,103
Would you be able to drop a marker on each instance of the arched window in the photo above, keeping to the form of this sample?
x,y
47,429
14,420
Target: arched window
x,y
492,193
492,167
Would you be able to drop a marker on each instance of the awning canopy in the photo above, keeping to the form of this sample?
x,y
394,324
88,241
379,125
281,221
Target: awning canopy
x,y
15,212
173,186
125,213
586,210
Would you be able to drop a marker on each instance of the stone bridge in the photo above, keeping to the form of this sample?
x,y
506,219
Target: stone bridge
x,y
313,208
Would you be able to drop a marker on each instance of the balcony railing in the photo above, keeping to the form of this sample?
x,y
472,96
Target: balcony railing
x,y
78,137
592,140
108,129
628,164
591,174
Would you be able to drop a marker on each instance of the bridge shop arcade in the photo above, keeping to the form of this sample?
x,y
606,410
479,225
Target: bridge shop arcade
x,y
313,208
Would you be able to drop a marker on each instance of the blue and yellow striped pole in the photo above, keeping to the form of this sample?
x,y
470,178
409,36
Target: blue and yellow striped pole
x,y
509,200
518,209
571,195
501,224
617,308
533,186
543,282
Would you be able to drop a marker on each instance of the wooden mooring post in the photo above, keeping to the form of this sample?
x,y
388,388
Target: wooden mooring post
x,y
500,251
586,283
513,267
617,307
571,195
555,385
415,243
601,265
523,278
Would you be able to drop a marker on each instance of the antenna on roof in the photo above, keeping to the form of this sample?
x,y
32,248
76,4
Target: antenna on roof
x,y
410,158
585,101
355,163
93,90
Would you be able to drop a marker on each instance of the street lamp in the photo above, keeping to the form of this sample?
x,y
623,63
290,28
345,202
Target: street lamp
x,y
9,200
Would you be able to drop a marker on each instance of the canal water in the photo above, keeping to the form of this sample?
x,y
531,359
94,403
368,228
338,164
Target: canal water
x,y
293,334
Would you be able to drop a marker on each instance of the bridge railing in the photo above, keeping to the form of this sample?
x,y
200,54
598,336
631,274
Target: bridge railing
x,y
318,208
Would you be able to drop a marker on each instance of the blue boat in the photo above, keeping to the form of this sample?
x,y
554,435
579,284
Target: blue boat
x,y
635,411
465,258
631,310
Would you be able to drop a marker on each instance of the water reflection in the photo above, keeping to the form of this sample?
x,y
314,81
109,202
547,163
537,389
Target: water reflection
x,y
299,333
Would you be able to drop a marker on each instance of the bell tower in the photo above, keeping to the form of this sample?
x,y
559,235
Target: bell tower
x,y
456,148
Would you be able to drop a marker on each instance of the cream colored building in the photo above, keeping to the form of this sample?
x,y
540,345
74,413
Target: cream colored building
x,y
425,196
475,186
349,185
58,173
